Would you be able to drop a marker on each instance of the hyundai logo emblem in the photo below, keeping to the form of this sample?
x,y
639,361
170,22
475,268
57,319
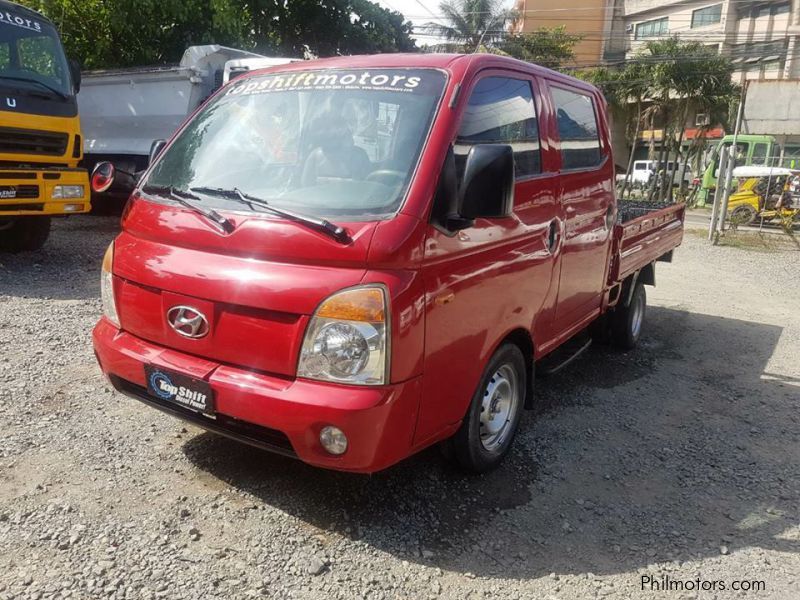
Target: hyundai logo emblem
x,y
187,321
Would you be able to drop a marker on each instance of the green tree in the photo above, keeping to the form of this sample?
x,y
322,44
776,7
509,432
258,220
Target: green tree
x,y
122,33
663,84
470,24
549,47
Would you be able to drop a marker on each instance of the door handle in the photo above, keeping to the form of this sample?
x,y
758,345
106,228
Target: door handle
x,y
552,235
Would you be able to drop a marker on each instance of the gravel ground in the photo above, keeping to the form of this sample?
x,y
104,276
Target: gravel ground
x,y
679,460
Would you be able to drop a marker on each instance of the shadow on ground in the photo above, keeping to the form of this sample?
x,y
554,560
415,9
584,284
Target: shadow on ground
x,y
667,452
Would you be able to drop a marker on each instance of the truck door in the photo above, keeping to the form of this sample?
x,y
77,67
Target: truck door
x,y
587,203
483,281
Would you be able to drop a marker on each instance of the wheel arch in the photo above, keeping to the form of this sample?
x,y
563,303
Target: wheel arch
x,y
522,339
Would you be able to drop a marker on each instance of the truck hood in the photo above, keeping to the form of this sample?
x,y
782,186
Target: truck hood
x,y
257,287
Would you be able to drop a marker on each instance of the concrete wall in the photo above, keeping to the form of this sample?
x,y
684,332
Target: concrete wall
x,y
773,108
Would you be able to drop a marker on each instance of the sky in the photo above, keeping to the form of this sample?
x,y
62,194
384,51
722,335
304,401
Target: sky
x,y
420,12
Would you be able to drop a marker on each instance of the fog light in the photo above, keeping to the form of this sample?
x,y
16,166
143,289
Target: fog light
x,y
73,207
333,440
67,191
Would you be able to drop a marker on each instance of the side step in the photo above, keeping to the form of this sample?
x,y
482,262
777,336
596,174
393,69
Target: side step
x,y
564,355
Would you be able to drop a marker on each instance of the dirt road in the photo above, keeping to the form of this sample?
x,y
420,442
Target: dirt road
x,y
678,462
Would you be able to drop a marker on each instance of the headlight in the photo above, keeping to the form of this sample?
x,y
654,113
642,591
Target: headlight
x,y
347,339
68,191
107,287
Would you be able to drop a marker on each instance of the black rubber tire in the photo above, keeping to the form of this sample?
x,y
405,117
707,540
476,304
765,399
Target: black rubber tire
x,y
624,333
743,215
465,447
24,234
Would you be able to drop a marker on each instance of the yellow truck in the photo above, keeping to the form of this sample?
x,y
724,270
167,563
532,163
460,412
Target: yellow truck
x,y
40,132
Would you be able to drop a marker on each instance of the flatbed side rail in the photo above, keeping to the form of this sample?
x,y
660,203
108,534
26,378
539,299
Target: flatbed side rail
x,y
640,241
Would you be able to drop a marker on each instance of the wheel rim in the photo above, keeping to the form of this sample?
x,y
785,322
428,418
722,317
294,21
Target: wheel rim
x,y
637,316
498,407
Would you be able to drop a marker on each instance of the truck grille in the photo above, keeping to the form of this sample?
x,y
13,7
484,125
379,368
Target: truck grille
x,y
30,141
15,192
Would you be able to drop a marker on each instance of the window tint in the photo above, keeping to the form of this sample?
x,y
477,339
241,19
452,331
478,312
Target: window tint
x,y
501,111
5,56
577,129
652,28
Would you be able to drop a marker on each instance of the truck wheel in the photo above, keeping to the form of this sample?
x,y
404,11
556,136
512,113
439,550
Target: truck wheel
x,y
743,215
24,233
627,320
491,422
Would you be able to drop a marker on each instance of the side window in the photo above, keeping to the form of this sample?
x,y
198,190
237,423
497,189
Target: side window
x,y
577,128
501,111
760,154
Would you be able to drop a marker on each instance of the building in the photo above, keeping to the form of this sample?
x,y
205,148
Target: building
x,y
760,37
588,18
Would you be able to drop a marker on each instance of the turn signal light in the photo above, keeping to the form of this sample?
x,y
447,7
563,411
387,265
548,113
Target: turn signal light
x,y
364,304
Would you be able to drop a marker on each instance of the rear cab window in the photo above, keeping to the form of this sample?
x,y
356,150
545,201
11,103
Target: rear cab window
x,y
578,129
501,110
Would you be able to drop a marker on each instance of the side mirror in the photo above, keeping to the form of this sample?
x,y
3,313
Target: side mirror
x,y
487,187
75,73
103,176
155,149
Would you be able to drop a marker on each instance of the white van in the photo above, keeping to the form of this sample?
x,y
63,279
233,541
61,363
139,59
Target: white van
x,y
644,169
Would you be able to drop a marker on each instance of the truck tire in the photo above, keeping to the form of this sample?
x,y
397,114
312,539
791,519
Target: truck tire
x,y
627,319
491,422
24,233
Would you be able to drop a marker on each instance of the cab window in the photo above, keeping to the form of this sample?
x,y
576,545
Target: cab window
x,y
501,111
577,129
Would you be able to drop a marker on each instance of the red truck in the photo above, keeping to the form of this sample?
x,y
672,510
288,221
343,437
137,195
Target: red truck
x,y
349,260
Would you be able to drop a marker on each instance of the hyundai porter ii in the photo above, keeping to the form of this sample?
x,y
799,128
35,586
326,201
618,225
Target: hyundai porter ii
x,y
349,260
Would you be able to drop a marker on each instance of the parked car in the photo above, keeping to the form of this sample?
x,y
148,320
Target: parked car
x,y
349,260
644,170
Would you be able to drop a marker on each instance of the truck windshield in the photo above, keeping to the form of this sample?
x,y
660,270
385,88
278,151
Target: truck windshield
x,y
31,56
333,143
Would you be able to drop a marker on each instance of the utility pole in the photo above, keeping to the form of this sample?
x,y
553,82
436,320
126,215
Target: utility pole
x,y
731,164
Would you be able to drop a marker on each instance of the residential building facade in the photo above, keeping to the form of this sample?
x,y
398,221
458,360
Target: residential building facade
x,y
590,19
760,37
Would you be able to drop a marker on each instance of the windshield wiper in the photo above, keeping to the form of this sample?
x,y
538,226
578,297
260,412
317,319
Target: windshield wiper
x,y
182,197
49,88
337,232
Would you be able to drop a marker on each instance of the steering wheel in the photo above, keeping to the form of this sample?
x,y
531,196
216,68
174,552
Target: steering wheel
x,y
388,177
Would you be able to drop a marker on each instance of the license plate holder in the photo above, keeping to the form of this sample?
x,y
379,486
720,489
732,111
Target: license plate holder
x,y
179,389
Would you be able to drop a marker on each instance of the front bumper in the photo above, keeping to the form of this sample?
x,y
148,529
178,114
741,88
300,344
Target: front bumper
x,y
276,413
32,191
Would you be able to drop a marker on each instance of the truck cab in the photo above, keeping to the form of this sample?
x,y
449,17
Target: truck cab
x,y
758,150
349,260
40,132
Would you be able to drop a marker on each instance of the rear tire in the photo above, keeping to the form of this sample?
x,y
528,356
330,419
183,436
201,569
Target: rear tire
x,y
24,234
627,320
489,427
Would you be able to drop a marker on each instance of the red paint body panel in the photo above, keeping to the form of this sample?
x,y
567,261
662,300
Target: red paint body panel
x,y
544,272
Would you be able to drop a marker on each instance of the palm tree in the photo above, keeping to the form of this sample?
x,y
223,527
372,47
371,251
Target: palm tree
x,y
470,24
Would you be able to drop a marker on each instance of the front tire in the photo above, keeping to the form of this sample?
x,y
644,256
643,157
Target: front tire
x,y
489,427
627,321
24,234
